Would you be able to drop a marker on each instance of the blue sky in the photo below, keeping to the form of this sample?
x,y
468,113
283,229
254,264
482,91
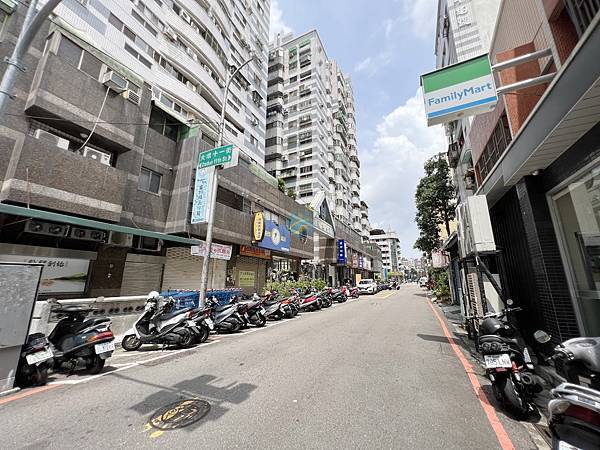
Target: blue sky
x,y
384,45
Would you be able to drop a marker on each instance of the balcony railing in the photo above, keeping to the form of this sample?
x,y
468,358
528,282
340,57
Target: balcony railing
x,y
453,154
582,13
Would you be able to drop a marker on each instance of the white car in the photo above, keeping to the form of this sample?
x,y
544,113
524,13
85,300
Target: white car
x,y
367,286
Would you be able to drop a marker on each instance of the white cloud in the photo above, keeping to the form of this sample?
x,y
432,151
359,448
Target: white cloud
x,y
277,24
422,15
392,167
372,65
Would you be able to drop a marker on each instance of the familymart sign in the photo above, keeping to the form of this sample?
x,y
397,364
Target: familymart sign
x,y
463,89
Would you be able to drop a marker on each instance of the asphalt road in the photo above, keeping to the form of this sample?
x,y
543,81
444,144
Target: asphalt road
x,y
372,373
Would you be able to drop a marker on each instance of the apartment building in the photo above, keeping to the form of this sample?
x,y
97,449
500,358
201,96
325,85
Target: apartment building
x,y
311,126
99,145
364,221
389,243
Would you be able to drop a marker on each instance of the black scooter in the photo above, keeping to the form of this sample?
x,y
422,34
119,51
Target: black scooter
x,y
574,411
35,361
508,363
78,340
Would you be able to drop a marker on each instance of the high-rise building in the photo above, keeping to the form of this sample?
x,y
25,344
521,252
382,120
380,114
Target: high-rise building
x,y
389,243
365,225
183,50
311,126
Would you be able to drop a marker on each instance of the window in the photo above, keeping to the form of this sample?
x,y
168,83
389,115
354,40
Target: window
x,y
91,65
293,79
274,141
306,169
253,140
230,198
164,124
76,56
149,181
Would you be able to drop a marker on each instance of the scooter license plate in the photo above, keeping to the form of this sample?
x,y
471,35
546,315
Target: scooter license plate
x,y
105,347
39,357
495,361
210,323
191,323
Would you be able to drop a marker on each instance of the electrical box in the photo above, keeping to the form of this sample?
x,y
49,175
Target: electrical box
x,y
475,227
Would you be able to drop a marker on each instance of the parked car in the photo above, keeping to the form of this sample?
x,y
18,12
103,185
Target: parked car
x,y
367,286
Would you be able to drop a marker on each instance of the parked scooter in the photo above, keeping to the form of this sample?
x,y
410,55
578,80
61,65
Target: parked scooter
x,y
326,300
204,324
77,340
574,411
274,309
352,292
338,295
161,323
252,311
310,302
508,363
35,361
226,318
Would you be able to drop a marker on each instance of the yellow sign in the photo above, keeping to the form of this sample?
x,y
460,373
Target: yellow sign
x,y
258,227
246,278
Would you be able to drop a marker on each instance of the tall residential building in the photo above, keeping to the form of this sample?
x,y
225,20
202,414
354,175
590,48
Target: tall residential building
x,y
365,225
389,244
183,50
311,126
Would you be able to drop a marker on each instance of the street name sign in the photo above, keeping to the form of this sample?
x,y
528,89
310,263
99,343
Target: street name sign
x,y
460,90
216,156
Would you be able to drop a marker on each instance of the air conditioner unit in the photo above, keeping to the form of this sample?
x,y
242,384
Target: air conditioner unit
x,y
114,81
120,239
99,155
132,96
46,228
148,244
284,158
254,121
85,234
170,33
60,142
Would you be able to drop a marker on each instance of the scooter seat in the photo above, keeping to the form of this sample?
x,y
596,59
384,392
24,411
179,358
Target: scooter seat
x,y
171,314
220,308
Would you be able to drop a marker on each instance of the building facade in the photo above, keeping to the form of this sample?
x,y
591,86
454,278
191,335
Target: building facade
x,y
389,244
98,150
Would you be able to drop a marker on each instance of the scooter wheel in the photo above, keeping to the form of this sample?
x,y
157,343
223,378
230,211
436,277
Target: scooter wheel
x,y
204,333
131,342
261,322
512,401
95,365
187,339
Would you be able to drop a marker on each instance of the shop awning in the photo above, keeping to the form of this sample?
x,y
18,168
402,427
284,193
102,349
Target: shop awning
x,y
72,220
569,108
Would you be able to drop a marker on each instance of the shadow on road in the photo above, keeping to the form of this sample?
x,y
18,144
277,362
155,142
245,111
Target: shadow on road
x,y
433,338
206,387
420,294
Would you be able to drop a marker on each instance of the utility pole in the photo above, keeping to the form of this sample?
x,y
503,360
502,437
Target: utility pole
x,y
33,22
214,186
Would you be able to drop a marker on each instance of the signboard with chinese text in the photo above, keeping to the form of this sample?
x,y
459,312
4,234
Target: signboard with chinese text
x,y
216,156
341,251
59,275
201,195
217,251
277,237
262,253
246,278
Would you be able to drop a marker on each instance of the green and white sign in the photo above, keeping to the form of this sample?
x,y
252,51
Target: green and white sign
x,y
463,89
216,156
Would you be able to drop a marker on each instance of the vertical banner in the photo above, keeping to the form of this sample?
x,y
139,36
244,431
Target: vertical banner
x,y
200,204
341,251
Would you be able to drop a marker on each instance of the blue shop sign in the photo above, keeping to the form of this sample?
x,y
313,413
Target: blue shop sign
x,y
341,251
277,237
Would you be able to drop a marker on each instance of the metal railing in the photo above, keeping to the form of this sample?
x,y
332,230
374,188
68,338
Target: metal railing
x,y
582,13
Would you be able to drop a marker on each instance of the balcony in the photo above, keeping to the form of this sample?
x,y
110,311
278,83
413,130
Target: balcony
x,y
582,13
50,177
453,154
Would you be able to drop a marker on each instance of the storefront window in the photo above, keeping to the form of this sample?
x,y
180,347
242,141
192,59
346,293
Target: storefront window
x,y
578,214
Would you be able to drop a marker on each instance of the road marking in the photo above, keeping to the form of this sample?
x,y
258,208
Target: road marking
x,y
388,295
490,412
26,393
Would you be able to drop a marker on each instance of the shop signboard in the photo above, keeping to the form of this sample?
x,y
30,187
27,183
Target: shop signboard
x,y
440,260
246,250
246,278
276,237
258,227
323,227
367,263
341,251
361,262
217,251
354,260
460,90
59,275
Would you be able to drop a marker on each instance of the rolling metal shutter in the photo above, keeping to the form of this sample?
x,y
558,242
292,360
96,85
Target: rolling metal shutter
x,y
183,271
140,278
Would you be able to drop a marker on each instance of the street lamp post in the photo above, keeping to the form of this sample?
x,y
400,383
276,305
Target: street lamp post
x,y
31,25
214,186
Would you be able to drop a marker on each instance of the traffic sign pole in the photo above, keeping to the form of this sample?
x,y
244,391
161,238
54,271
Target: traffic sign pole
x,y
213,194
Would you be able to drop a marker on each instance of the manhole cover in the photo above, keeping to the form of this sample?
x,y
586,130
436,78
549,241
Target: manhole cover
x,y
180,414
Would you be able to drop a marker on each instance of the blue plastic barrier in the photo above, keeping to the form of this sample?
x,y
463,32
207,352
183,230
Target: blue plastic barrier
x,y
190,299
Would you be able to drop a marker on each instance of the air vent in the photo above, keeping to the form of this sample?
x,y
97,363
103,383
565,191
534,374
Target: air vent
x,y
46,228
85,234
132,96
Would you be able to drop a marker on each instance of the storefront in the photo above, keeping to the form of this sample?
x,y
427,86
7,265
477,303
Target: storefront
x,y
575,207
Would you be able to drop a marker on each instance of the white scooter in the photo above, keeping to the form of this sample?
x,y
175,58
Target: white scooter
x,y
161,323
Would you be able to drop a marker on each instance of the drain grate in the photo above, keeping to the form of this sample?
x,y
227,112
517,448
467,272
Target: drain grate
x,y
180,414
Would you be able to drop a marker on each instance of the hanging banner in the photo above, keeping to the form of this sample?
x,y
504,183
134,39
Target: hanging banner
x,y
460,90
202,194
341,251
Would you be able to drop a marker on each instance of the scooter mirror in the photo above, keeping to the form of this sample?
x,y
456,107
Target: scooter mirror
x,y
510,302
541,336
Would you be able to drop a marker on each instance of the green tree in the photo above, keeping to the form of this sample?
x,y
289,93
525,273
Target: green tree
x,y
435,204
291,193
281,184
